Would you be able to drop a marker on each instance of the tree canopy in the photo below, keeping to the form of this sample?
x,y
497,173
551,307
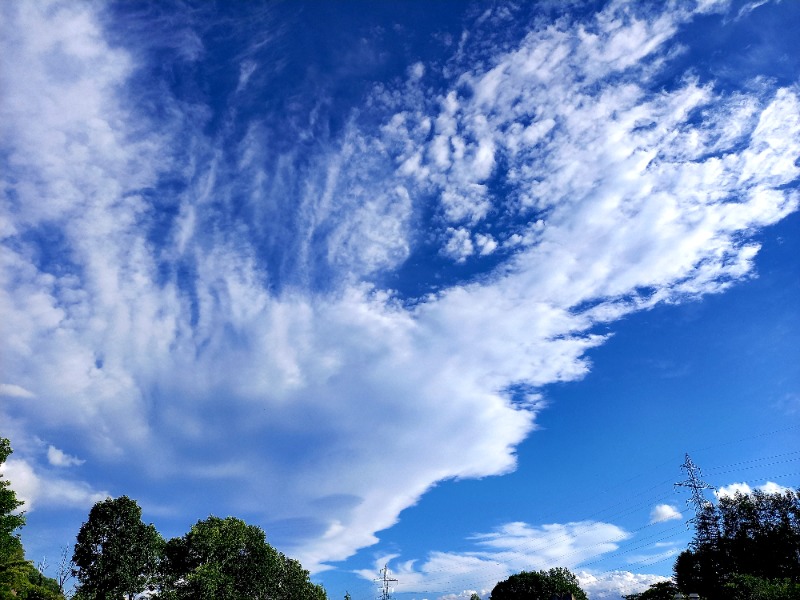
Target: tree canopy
x,y
663,590
10,520
227,559
18,577
747,546
115,554
539,585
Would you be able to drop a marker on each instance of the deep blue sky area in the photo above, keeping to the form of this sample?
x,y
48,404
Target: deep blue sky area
x,y
702,378
447,287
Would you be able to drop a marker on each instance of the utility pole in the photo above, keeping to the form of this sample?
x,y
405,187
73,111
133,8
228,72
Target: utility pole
x,y
385,580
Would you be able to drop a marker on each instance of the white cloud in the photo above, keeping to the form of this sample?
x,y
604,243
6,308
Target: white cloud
x,y
653,558
416,71
750,7
729,491
486,243
615,584
508,549
664,512
732,489
771,487
12,390
59,458
470,204
147,353
465,595
246,70
460,245
40,488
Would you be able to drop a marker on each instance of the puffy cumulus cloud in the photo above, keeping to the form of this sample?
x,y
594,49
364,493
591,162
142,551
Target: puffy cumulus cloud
x,y
664,512
510,548
733,489
615,584
192,332
729,491
59,458
39,488
771,487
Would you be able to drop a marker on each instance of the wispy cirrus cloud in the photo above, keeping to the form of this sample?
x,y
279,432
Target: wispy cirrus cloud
x,y
190,304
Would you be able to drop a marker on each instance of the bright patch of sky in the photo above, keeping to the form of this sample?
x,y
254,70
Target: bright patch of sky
x,y
451,287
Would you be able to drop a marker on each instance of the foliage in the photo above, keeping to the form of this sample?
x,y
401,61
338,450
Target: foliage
x,y
749,544
539,585
18,577
747,587
115,554
10,521
227,559
663,590
474,596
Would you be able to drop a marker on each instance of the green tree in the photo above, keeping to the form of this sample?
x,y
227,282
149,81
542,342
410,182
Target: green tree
x,y
474,596
760,534
115,554
539,585
663,590
18,577
10,520
748,546
748,587
227,559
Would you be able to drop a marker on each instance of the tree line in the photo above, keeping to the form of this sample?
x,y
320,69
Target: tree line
x,y
746,547
19,578
117,555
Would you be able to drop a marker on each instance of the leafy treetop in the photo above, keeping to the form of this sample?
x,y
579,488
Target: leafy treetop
x,y
539,585
18,577
227,559
115,554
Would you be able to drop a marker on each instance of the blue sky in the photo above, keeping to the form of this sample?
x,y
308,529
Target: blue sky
x,y
449,286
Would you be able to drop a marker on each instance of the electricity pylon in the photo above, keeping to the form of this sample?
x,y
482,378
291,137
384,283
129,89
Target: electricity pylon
x,y
705,519
385,580
695,484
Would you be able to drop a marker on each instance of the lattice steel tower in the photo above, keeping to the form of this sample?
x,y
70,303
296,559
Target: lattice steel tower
x,y
385,580
695,484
